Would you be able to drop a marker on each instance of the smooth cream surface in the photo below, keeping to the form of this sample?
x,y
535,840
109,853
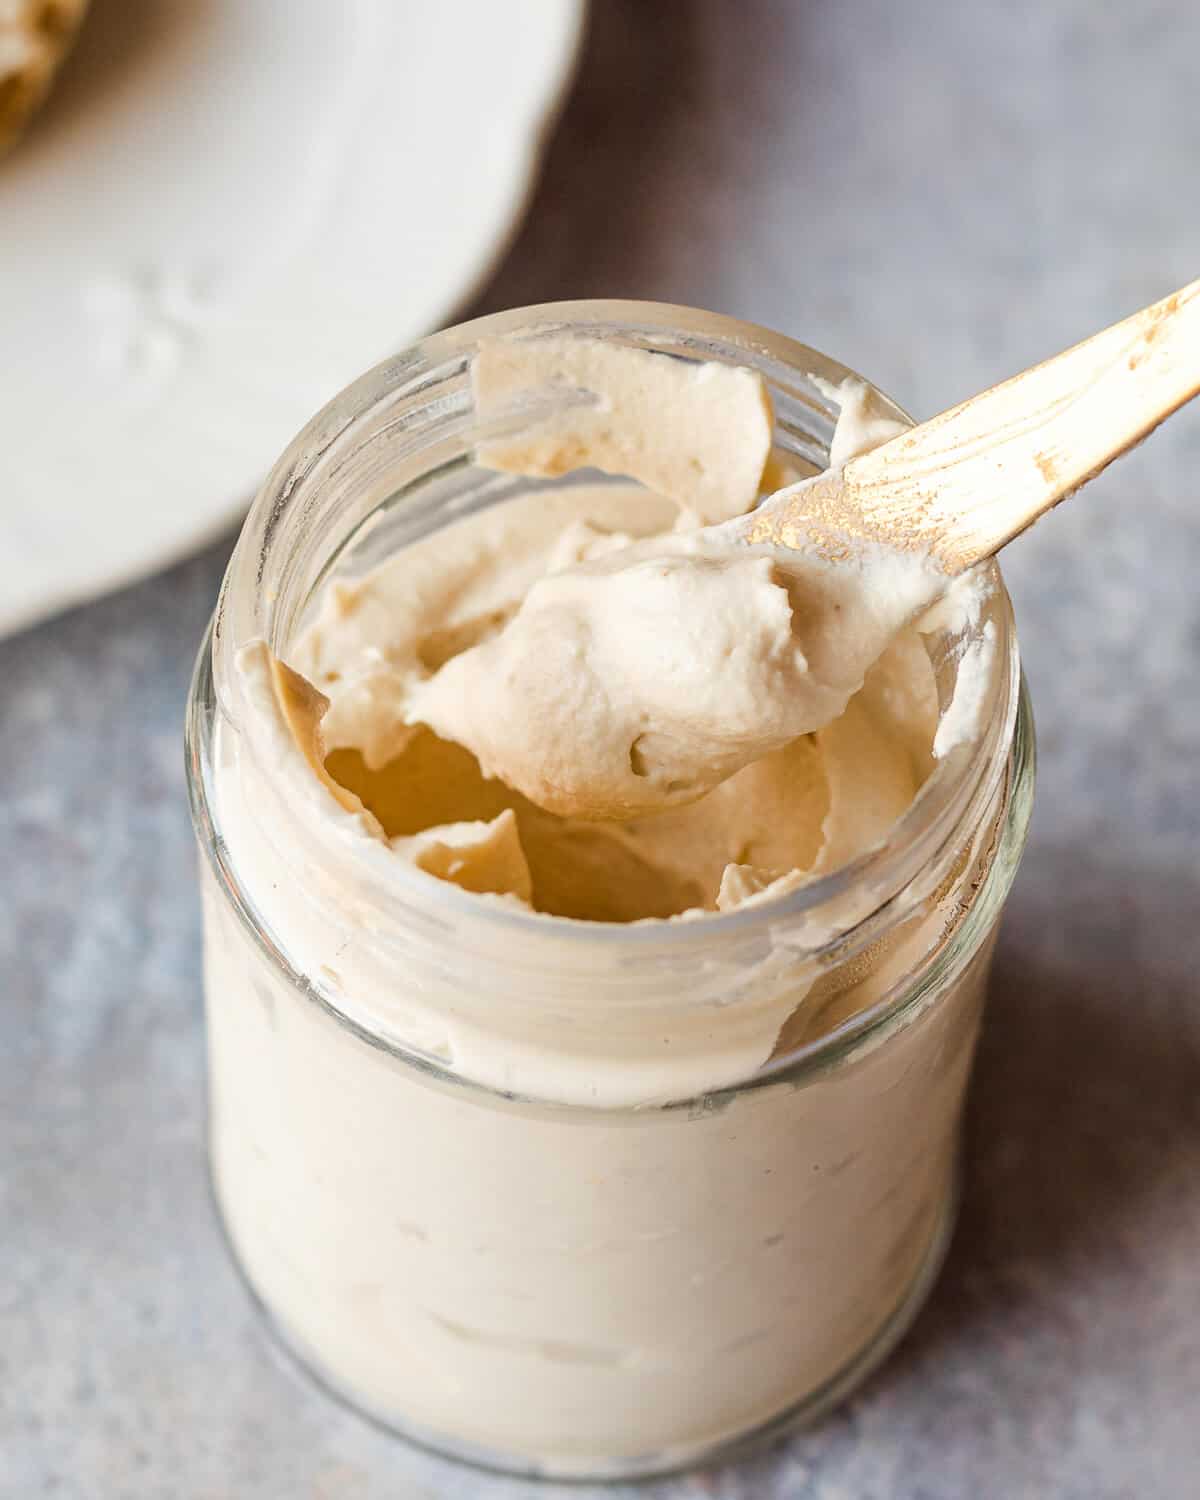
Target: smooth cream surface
x,y
646,678
700,433
806,806
643,678
589,701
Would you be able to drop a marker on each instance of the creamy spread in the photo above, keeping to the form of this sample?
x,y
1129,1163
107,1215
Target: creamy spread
x,y
579,705
806,806
646,678
657,718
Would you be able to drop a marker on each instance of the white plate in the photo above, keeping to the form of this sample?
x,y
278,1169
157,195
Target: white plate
x,y
228,210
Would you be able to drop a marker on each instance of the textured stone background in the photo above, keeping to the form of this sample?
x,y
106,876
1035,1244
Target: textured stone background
x,y
939,194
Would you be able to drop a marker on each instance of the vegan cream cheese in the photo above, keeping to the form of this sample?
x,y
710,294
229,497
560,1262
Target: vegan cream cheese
x,y
504,1169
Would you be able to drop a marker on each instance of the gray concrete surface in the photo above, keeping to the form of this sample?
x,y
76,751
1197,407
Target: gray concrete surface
x,y
939,194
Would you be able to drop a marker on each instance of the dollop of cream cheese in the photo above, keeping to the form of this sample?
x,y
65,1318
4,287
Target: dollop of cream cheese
x,y
596,702
646,678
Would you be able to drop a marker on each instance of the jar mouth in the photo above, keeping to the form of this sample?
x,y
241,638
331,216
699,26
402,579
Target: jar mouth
x,y
260,601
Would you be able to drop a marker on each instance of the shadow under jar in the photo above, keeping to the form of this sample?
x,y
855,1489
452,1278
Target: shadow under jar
x,y
441,1142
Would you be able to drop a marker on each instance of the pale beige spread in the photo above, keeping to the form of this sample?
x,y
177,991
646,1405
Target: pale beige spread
x,y
594,703
551,1267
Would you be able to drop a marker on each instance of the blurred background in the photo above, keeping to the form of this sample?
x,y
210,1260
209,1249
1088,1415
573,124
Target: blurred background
x,y
938,194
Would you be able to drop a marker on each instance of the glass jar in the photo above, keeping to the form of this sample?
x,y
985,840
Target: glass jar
x,y
435,1143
